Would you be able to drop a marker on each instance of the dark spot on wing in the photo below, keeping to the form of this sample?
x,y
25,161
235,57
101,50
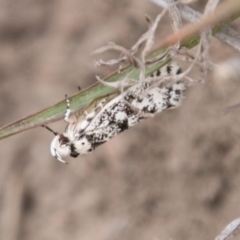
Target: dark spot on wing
x,y
169,69
63,140
123,125
177,92
179,71
158,72
73,153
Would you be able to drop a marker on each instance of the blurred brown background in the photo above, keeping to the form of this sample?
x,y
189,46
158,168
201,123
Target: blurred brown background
x,y
176,176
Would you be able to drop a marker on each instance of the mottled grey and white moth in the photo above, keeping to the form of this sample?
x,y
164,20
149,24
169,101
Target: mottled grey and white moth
x,y
107,117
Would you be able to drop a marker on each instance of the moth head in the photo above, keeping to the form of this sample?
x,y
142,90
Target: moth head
x,y
61,146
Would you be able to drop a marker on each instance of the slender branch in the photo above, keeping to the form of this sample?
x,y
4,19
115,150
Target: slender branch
x,y
226,9
231,230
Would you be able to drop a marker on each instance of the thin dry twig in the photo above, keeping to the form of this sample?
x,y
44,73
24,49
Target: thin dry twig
x,y
227,35
206,36
125,55
231,230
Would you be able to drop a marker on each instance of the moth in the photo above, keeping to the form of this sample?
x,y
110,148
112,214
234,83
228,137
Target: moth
x,y
107,117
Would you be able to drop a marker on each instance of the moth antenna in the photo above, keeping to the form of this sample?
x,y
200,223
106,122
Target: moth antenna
x,y
68,109
49,129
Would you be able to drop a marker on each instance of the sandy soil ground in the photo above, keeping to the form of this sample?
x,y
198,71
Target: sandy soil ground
x,y
176,176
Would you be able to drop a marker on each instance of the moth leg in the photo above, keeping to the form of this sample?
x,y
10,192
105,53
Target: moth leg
x,y
133,108
97,107
89,116
67,117
138,111
100,104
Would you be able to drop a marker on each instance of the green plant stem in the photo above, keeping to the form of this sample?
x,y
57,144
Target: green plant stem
x,y
82,99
